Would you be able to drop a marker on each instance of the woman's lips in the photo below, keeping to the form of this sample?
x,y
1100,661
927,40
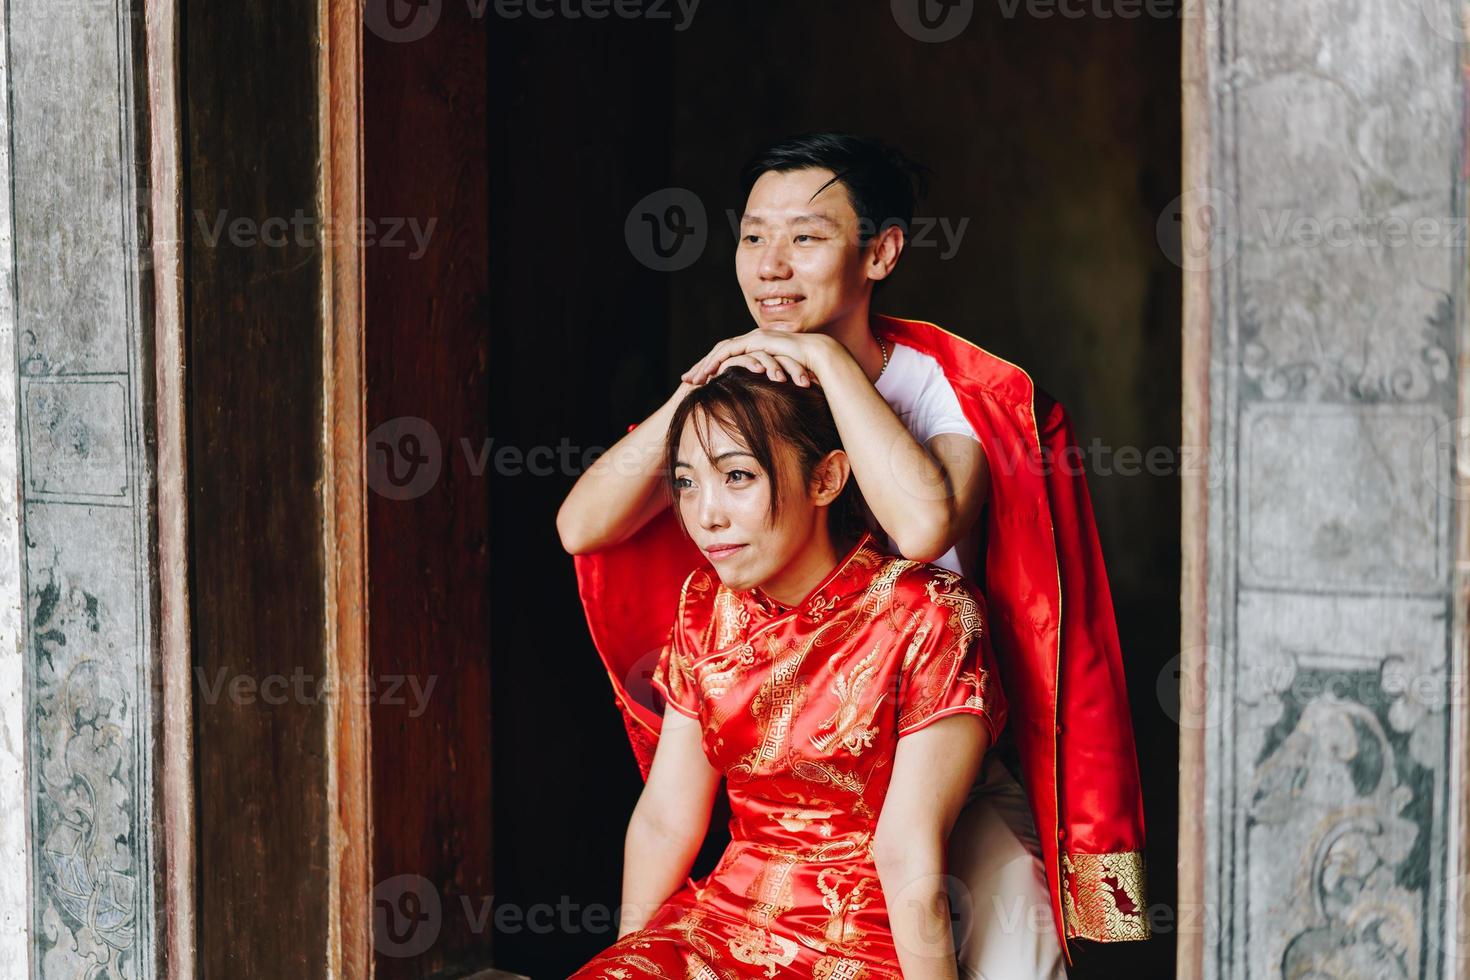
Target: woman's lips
x,y
722,551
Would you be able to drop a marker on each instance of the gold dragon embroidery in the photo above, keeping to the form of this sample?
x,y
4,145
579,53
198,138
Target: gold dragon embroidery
x,y
851,724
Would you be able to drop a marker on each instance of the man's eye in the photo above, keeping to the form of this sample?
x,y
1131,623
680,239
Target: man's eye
x,y
812,238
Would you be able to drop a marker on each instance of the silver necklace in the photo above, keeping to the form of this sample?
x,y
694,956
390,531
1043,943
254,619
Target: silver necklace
x,y
884,348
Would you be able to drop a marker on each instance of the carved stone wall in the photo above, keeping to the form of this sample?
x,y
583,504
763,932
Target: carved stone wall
x,y
73,319
1336,222
14,910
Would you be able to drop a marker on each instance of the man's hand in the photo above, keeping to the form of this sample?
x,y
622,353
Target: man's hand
x,y
801,357
925,497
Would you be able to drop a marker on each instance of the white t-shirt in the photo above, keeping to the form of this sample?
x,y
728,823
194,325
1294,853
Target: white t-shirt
x,y
915,387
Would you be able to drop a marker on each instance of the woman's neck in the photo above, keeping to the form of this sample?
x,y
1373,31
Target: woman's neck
x,y
813,563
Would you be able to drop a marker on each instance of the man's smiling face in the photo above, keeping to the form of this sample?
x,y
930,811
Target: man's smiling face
x,y
799,263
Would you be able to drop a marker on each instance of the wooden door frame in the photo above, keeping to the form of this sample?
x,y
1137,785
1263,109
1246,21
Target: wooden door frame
x,y
350,939
1196,142
348,953
165,203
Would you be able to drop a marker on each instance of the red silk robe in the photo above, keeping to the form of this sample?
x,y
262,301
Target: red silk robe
x,y
1053,633
801,708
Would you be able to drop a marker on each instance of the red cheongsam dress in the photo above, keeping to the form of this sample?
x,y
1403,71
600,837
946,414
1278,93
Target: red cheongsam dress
x,y
802,708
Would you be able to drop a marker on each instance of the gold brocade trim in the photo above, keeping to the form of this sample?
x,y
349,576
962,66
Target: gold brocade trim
x,y
1103,896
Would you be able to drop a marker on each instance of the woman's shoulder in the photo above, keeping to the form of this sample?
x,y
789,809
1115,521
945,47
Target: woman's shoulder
x,y
910,575
920,583
697,592
696,606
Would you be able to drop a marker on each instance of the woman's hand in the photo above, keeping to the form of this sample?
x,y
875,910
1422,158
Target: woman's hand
x,y
800,357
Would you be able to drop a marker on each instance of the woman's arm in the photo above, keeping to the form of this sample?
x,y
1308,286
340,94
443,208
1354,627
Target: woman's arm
x,y
933,770
623,489
669,822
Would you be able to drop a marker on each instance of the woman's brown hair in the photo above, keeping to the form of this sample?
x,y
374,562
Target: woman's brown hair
x,y
764,414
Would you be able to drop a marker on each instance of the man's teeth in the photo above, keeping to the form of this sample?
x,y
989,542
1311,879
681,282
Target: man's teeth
x,y
777,302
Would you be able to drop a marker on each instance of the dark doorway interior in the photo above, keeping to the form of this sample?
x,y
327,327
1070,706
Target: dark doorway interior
x,y
427,372
1055,141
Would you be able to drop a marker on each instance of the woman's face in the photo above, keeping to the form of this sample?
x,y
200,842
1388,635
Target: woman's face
x,y
724,498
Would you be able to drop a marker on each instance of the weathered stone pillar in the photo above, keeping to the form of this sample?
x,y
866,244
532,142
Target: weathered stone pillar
x,y
1324,642
83,873
181,511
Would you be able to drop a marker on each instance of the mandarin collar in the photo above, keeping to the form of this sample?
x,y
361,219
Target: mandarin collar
x,y
853,572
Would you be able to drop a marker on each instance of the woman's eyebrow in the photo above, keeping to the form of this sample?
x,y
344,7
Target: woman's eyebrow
x,y
718,459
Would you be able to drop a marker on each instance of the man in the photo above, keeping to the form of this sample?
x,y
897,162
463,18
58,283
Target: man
x,y
939,435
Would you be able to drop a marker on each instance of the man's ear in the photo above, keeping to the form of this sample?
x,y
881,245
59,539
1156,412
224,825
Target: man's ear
x,y
883,252
829,476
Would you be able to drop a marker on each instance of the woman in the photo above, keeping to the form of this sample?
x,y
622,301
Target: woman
x,y
847,697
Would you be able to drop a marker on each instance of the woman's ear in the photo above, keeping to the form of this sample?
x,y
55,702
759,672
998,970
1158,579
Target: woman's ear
x,y
829,476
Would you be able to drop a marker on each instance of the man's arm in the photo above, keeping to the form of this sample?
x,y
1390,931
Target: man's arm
x,y
933,770
623,489
925,498
670,821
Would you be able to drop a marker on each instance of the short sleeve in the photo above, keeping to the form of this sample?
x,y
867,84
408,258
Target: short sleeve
x,y
673,679
948,667
937,410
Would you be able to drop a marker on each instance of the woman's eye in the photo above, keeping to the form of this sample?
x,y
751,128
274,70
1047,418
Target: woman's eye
x,y
736,476
752,239
682,483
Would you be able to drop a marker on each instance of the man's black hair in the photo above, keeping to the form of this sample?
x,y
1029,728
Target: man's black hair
x,y
882,183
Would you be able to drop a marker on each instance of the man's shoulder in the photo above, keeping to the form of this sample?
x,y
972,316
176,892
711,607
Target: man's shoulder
x,y
924,368
968,366
960,359
945,347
